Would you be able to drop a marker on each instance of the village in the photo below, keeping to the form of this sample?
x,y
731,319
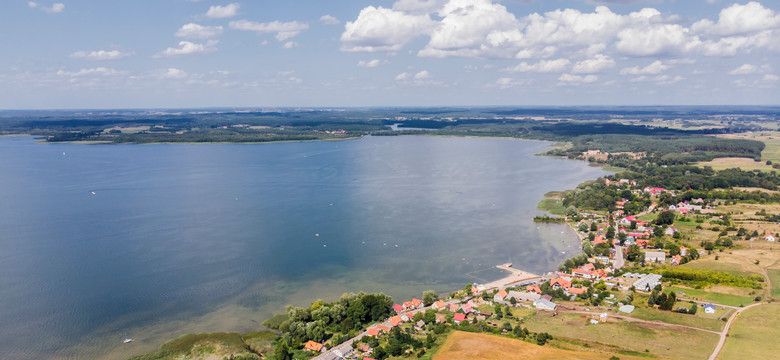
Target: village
x,y
618,278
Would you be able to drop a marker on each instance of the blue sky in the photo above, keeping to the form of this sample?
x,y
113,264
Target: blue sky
x,y
67,54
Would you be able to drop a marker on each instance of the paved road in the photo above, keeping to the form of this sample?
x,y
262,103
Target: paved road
x,y
346,347
619,261
726,330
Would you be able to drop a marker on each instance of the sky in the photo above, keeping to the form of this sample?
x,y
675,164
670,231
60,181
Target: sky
x,y
95,54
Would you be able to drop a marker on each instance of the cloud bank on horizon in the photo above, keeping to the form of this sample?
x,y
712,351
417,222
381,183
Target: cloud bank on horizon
x,y
407,52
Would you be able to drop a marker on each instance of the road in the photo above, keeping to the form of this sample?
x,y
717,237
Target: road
x,y
346,347
726,330
619,260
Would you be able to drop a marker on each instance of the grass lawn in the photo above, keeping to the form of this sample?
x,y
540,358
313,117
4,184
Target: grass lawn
x,y
725,264
464,345
753,335
660,341
715,297
774,278
677,318
746,164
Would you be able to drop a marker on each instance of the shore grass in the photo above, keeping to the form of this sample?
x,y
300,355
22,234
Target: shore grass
x,y
656,339
189,346
753,335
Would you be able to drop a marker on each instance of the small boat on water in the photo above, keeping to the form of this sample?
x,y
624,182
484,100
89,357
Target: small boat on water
x,y
127,340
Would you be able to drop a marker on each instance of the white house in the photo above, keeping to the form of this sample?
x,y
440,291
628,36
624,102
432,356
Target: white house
x,y
769,237
709,309
545,304
655,256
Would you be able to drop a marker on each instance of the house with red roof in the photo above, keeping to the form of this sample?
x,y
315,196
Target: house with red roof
x,y
417,303
560,284
500,295
533,288
314,346
769,237
373,332
453,307
467,308
396,320
439,305
459,317
398,308
383,328
576,291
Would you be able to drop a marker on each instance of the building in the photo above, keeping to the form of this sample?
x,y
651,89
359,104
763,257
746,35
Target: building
x,y
647,282
523,296
419,325
709,309
545,304
439,305
459,317
560,284
655,256
769,237
626,309
373,332
500,295
314,346
395,321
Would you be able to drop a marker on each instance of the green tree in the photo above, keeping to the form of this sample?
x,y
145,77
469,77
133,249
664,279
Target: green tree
x,y
610,233
571,211
429,297
583,227
665,218
593,226
633,252
282,351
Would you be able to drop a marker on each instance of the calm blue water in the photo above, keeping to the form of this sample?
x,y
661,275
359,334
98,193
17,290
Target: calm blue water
x,y
99,241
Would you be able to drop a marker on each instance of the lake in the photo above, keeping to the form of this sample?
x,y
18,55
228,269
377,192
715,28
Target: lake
x,y
102,242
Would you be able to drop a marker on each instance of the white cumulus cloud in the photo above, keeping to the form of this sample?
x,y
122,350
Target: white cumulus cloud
x,y
656,67
745,69
370,63
189,48
196,31
329,19
283,30
381,29
544,66
219,11
100,55
574,79
596,64
739,19
53,9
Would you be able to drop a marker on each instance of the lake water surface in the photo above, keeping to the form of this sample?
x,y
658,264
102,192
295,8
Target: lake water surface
x,y
98,243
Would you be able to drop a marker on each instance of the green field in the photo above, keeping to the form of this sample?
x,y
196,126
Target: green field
x,y
677,318
725,299
753,335
553,206
196,346
660,341
718,265
774,278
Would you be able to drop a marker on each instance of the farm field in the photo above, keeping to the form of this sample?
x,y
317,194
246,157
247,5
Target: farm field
x,y
753,335
747,164
464,345
704,295
657,340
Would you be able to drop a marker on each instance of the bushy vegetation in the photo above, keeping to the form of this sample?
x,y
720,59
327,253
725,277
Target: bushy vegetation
x,y
708,277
